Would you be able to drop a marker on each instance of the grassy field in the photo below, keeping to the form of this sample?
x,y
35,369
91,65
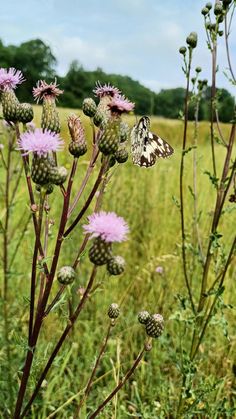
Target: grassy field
x,y
148,200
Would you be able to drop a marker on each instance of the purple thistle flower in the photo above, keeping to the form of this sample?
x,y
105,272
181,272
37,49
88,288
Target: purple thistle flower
x,y
108,226
105,90
120,104
40,142
44,90
10,78
159,270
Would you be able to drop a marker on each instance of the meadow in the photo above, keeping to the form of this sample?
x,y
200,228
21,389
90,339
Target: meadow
x,y
148,199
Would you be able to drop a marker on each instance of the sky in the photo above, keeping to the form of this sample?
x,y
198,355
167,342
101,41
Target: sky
x,y
139,38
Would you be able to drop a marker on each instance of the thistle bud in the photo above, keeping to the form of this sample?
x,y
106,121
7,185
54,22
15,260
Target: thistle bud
x,y
208,5
100,252
109,141
78,145
220,33
40,170
57,175
89,107
218,9
48,189
10,106
205,11
192,40
121,155
116,265
182,50
124,131
66,275
25,113
98,118
143,317
113,311
155,326
198,69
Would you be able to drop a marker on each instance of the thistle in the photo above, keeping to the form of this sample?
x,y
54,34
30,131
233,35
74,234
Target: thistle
x,y
113,311
9,79
57,175
77,146
121,155
109,141
89,107
116,265
25,113
48,94
66,275
106,228
143,317
155,326
105,93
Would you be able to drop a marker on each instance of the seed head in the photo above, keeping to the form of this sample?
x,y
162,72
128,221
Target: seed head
x,y
46,91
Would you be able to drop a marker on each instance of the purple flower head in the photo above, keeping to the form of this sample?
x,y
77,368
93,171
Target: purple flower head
x,y
105,90
40,142
120,104
10,78
159,270
108,226
44,90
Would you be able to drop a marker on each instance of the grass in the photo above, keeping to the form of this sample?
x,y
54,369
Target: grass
x,y
148,200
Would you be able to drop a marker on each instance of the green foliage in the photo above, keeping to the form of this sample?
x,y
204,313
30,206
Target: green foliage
x,y
36,60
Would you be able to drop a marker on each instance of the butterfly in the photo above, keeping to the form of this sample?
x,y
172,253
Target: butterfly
x,y
147,147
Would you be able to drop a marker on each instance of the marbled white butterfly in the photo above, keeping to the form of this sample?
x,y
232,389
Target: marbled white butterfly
x,y
147,147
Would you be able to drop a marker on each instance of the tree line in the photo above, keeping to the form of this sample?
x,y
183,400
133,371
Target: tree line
x,y
36,60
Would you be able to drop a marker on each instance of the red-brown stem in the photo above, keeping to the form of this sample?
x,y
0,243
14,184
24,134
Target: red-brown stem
x,y
61,340
120,385
213,105
90,381
89,199
227,47
182,212
41,307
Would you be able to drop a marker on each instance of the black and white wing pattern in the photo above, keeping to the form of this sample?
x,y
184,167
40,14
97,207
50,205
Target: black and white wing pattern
x,y
147,147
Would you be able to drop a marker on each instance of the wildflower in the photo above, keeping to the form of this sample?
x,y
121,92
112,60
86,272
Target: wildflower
x,y
113,311
120,104
108,226
89,107
116,265
105,90
48,93
155,325
159,270
66,275
40,142
10,78
44,90
143,317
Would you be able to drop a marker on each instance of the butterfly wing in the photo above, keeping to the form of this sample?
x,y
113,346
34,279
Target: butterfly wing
x,y
146,146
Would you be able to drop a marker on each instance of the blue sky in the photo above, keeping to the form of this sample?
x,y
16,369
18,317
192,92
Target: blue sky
x,y
139,38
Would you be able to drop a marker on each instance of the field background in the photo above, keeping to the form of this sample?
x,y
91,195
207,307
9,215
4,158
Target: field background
x,y
147,199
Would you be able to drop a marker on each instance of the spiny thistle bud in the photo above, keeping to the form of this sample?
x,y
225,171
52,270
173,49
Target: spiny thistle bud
x,y
205,11
121,155
218,9
78,145
220,18
113,311
25,112
124,131
143,317
193,79
57,175
48,189
220,33
48,93
192,40
100,252
89,107
40,169
10,106
182,50
212,27
98,118
198,69
208,25
66,275
116,265
208,5
109,141
155,326
232,197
